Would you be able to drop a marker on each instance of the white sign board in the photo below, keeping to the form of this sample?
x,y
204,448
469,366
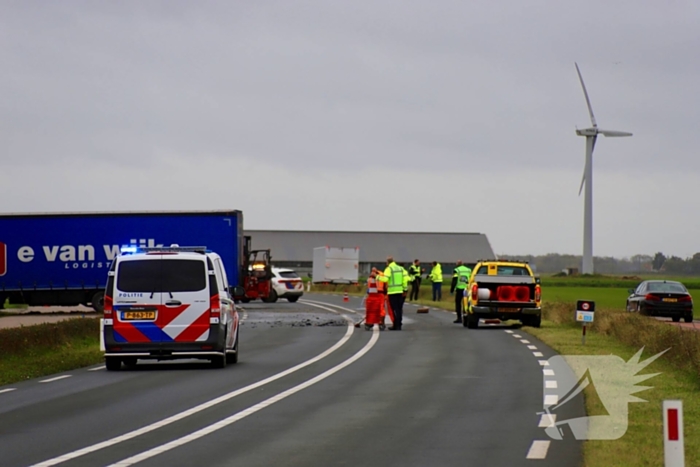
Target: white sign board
x,y
584,316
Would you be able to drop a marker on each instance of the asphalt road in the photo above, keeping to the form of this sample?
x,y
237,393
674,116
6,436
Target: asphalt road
x,y
310,389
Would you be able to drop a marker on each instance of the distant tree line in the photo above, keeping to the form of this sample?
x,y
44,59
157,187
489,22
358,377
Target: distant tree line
x,y
554,262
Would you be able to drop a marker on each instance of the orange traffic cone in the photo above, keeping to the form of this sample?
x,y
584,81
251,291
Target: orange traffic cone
x,y
345,297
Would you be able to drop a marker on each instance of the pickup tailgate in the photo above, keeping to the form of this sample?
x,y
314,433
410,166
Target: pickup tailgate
x,y
505,292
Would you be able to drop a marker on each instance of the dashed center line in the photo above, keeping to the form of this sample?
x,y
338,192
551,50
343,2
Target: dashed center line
x,y
524,341
548,372
7,390
551,399
538,450
550,384
51,380
509,332
544,362
97,368
547,420
537,354
517,336
532,347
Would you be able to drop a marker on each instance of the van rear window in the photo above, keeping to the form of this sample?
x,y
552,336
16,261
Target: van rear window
x,y
173,275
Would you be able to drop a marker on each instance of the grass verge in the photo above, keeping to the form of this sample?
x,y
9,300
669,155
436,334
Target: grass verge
x,y
44,349
623,335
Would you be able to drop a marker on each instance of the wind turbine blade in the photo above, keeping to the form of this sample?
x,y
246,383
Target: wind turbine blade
x,y
614,133
585,93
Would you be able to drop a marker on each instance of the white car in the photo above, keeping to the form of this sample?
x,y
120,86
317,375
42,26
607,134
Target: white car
x,y
286,283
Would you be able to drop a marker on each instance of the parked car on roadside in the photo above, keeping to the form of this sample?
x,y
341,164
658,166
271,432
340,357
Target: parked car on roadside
x,y
661,298
286,283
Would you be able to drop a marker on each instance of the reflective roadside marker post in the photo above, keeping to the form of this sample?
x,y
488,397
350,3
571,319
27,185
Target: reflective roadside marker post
x,y
674,452
585,310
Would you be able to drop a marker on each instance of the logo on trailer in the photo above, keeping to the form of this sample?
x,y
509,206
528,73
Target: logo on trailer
x,y
3,259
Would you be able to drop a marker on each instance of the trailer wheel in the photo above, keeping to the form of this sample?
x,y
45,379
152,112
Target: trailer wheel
x,y
98,302
293,298
473,322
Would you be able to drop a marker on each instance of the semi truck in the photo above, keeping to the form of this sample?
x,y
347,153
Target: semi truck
x,y
335,265
63,258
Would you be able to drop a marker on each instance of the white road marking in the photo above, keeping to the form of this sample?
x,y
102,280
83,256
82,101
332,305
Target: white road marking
x,y
538,450
532,347
249,411
537,354
509,332
551,399
517,336
7,390
205,405
548,372
524,341
544,362
97,368
51,380
550,384
547,420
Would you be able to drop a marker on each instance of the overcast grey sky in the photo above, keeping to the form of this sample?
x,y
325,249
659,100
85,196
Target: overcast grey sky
x,y
361,115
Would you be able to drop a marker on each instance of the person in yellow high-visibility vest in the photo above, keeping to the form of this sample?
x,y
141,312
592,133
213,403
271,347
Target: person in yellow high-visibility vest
x,y
394,278
435,277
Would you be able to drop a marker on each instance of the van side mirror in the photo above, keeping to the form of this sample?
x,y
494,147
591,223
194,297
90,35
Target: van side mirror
x,y
236,291
630,291
537,280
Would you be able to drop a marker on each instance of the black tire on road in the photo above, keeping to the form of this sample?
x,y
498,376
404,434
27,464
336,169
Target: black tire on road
x,y
472,321
272,298
533,321
98,302
113,363
129,362
293,298
688,318
676,318
232,358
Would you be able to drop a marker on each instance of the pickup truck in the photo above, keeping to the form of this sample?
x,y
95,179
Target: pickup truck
x,y
502,290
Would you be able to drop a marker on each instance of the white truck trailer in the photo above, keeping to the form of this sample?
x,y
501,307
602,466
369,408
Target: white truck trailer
x,y
336,265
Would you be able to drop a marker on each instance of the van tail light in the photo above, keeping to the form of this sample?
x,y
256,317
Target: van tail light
x,y
538,293
108,307
651,297
214,309
685,298
475,293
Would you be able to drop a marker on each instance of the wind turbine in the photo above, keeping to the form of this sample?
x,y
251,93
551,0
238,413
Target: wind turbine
x,y
591,134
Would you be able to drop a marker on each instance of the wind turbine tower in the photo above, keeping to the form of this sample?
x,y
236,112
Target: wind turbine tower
x,y
591,134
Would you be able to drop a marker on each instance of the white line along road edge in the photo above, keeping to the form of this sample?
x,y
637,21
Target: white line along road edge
x,y
203,406
249,411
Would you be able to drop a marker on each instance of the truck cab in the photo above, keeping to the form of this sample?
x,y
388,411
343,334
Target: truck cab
x,y
503,290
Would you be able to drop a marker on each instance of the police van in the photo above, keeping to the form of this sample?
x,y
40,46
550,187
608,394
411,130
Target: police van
x,y
165,303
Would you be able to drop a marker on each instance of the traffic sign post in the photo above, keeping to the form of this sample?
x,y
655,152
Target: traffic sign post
x,y
585,311
674,452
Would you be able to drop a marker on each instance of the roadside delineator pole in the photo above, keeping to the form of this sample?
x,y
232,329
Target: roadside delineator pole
x,y
674,451
585,310
345,297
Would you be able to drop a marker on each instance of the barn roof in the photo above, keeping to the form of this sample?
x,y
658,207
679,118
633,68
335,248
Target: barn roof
x,y
298,245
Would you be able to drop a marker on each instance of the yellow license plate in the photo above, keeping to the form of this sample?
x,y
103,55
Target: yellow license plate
x,y
670,299
139,315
